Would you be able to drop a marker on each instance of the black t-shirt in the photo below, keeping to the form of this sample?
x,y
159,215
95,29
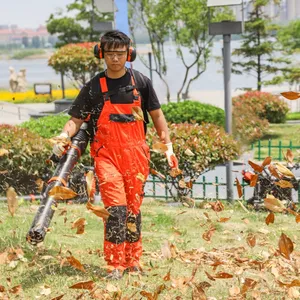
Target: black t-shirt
x,y
90,99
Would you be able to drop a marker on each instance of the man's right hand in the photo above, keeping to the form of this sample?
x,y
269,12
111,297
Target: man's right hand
x,y
61,144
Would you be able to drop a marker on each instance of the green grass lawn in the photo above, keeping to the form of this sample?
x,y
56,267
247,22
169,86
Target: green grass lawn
x,y
293,116
285,133
196,265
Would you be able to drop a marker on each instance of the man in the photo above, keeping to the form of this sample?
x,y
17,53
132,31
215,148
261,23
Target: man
x,y
112,99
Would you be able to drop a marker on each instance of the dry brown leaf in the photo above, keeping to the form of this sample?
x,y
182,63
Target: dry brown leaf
x,y
181,183
12,201
89,178
273,171
270,218
79,224
167,277
75,263
40,184
159,147
284,170
158,174
98,211
234,291
62,193
255,167
295,282
137,113
289,155
223,220
239,188
141,177
209,276
266,161
223,275
165,250
188,152
284,184
198,293
15,290
298,218
208,234
254,180
291,95
83,285
131,227
175,172
286,246
251,240
217,206
273,204
3,152
248,284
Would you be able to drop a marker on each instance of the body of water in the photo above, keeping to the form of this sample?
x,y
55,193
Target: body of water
x,y
37,71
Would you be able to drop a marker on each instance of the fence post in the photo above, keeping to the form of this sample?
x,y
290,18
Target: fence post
x,y
259,146
217,187
269,147
291,145
166,191
153,186
280,146
204,187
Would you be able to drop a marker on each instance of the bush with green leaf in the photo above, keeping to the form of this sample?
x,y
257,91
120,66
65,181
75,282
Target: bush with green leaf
x,y
193,111
48,126
77,62
197,147
264,105
24,159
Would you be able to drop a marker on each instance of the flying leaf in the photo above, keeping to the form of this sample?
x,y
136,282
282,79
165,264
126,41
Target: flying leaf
x,y
181,183
239,188
273,204
251,240
98,211
208,234
79,224
254,180
137,113
90,182
3,152
223,275
165,250
283,170
290,95
248,284
131,227
158,174
223,220
284,184
298,218
289,155
286,246
58,297
273,171
83,285
141,177
266,161
188,152
40,184
62,193
159,147
175,172
75,263
255,167
12,201
217,206
270,218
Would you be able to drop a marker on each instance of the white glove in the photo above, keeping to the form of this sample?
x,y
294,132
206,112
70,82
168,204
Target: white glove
x,y
62,142
171,158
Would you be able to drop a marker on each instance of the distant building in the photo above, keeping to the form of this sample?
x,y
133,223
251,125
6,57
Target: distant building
x,y
12,35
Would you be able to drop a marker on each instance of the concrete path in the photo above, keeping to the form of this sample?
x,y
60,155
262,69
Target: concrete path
x,y
14,114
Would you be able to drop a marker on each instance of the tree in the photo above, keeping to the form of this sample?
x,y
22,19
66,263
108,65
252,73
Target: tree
x,y
36,42
79,28
259,52
77,62
186,21
25,41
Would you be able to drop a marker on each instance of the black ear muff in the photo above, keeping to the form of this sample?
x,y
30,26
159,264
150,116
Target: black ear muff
x,y
131,54
98,53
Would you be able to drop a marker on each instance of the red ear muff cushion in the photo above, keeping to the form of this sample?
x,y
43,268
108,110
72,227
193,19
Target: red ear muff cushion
x,y
98,51
131,54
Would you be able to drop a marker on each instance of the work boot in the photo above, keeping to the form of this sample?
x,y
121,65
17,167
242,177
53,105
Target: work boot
x,y
115,274
135,270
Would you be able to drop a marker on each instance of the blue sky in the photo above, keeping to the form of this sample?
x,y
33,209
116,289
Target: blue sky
x,y
28,13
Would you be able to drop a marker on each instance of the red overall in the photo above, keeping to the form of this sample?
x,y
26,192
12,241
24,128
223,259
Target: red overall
x,y
121,162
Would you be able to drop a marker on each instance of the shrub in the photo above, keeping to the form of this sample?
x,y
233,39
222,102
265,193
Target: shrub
x,y
77,62
25,161
264,105
193,111
197,148
48,126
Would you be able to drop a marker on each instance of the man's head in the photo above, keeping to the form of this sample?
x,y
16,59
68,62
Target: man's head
x,y
115,44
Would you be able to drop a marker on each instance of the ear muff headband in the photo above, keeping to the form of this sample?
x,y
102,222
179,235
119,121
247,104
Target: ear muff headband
x,y
131,52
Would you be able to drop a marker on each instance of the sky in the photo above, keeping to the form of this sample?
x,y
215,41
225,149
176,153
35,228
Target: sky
x,y
28,13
